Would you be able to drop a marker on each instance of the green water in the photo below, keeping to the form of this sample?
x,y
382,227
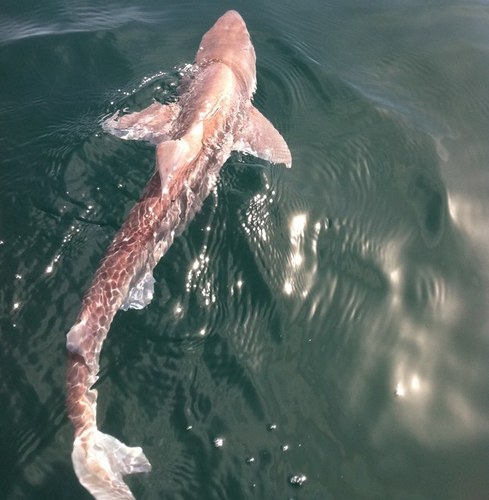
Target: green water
x,y
328,323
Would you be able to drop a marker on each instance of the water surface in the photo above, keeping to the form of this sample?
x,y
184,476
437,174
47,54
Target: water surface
x,y
316,333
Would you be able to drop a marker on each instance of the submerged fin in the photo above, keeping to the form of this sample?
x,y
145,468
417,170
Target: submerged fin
x,y
171,155
100,461
153,124
74,338
141,294
260,138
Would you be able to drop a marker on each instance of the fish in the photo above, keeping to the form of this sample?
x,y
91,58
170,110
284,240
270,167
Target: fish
x,y
194,136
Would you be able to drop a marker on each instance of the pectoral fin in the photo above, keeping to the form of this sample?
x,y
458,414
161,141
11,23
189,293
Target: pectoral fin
x,y
260,138
153,124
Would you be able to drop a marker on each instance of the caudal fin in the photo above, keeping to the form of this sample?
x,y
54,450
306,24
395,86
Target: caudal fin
x,y
100,461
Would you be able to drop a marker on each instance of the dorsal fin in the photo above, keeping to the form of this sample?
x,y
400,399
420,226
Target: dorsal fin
x,y
153,124
173,154
260,138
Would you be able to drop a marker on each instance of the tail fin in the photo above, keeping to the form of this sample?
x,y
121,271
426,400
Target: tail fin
x,y
100,461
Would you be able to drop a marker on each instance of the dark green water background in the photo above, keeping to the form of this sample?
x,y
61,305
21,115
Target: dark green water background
x,y
329,321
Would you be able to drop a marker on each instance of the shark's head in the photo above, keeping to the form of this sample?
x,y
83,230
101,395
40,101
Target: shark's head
x,y
228,41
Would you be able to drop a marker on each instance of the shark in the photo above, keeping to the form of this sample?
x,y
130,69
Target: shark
x,y
194,136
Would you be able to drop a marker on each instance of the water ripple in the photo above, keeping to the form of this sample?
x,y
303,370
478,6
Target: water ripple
x,y
71,19
323,326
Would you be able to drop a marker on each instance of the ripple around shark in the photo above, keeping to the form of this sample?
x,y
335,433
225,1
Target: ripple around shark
x,y
194,137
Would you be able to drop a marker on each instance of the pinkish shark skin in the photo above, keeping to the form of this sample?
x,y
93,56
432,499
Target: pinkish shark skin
x,y
195,136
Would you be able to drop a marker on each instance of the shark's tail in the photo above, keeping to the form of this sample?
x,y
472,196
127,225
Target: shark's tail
x,y
100,461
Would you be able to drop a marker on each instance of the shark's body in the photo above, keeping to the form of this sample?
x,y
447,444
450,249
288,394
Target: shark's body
x,y
194,137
